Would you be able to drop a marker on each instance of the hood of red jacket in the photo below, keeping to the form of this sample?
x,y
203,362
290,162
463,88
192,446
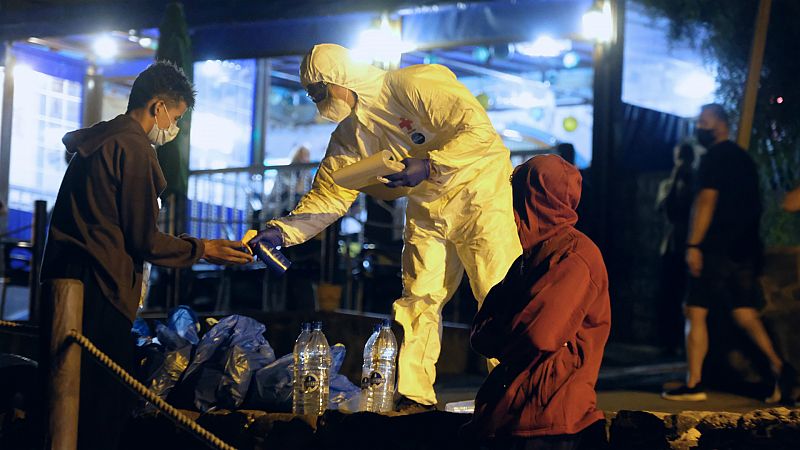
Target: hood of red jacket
x,y
547,191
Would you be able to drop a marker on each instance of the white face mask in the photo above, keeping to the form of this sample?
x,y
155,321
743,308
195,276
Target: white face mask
x,y
160,136
334,109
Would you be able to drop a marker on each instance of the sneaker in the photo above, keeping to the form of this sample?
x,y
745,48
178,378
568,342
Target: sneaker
x,y
405,405
685,393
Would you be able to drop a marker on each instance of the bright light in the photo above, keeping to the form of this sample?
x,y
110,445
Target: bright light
x,y
598,25
145,42
382,45
544,46
211,68
23,72
105,47
570,60
696,85
779,100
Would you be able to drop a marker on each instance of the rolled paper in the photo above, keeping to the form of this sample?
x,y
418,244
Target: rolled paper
x,y
368,171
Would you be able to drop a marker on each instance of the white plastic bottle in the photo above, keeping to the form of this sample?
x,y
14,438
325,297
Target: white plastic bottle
x,y
315,373
299,352
382,370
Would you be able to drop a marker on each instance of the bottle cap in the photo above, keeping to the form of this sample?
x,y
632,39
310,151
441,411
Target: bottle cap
x,y
386,323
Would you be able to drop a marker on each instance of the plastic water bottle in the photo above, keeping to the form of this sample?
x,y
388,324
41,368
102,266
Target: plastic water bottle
x,y
314,373
366,369
380,390
299,352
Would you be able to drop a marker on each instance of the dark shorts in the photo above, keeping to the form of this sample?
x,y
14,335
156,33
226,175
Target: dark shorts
x,y
725,284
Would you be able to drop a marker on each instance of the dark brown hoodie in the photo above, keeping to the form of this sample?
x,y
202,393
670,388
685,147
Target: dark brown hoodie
x,y
104,221
548,320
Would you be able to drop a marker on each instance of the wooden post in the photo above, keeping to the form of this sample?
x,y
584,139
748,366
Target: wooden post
x,y
64,305
754,74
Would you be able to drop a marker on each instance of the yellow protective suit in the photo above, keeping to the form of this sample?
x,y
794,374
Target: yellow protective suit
x,y
460,218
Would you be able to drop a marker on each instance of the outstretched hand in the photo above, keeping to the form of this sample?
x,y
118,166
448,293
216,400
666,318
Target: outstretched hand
x,y
225,252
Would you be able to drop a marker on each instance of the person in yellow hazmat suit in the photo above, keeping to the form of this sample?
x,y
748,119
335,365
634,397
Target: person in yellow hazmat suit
x,y
459,214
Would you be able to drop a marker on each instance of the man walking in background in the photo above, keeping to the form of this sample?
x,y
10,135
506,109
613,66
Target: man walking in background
x,y
723,251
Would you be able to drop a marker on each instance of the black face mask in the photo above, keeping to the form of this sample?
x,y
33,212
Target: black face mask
x,y
705,136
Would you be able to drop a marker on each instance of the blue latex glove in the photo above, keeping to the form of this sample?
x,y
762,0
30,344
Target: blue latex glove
x,y
416,171
271,236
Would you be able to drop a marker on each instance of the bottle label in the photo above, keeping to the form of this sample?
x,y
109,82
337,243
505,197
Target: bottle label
x,y
376,379
310,383
365,383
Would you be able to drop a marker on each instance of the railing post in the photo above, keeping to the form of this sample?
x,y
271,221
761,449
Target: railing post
x,y
38,236
60,364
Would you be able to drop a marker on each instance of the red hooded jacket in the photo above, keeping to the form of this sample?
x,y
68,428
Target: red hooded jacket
x,y
548,320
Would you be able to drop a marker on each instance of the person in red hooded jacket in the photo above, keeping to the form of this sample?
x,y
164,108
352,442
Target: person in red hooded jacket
x,y
547,322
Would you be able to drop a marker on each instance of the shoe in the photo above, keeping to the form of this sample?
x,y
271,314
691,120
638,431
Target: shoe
x,y
405,405
686,394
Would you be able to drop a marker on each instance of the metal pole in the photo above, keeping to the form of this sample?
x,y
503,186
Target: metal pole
x,y
38,236
92,97
607,127
6,116
261,113
754,74
62,362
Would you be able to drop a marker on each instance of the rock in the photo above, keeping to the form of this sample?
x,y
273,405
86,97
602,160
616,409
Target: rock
x,y
644,430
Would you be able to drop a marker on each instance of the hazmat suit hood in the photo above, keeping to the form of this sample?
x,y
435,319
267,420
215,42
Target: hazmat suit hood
x,y
89,140
546,192
334,64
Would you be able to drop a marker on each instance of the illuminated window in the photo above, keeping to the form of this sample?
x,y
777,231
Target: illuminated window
x,y
45,108
222,121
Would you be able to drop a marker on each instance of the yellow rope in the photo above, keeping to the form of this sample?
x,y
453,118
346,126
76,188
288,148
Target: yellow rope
x,y
6,323
173,414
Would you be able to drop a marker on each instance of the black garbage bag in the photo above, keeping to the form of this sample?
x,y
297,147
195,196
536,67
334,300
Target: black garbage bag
x,y
184,322
271,388
225,361
342,390
177,353
167,354
141,332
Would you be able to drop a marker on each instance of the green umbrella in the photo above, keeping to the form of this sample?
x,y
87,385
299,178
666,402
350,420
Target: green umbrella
x,y
175,46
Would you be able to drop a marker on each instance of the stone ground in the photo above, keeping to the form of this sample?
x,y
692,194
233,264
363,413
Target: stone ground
x,y
631,378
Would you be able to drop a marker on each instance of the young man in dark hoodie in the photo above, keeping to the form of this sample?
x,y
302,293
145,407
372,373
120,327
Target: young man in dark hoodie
x,y
103,228
547,322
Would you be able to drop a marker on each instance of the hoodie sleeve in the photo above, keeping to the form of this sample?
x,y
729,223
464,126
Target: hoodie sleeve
x,y
138,194
323,204
555,313
451,109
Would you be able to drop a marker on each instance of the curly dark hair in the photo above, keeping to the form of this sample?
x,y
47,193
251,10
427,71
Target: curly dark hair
x,y
164,80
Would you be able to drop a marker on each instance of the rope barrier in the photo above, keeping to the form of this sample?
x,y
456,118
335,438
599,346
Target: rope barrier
x,y
7,324
170,411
